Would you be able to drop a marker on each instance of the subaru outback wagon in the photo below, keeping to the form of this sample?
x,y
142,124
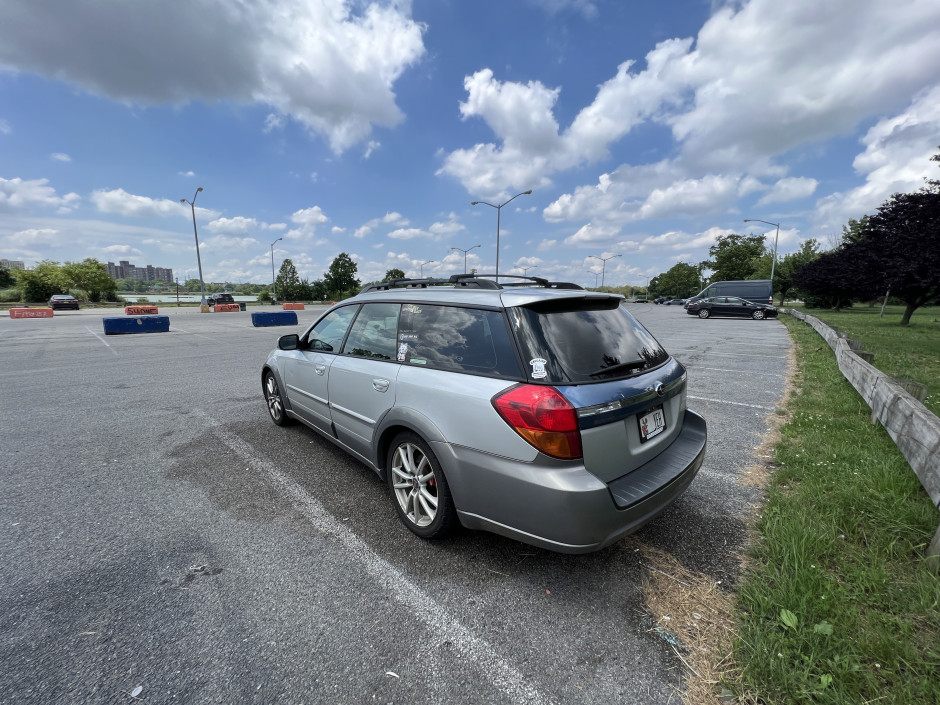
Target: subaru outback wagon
x,y
533,409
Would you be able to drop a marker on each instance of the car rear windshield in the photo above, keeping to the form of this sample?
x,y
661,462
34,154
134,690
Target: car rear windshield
x,y
582,341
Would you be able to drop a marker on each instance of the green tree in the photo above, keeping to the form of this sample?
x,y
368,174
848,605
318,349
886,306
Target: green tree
x,y
90,277
341,279
783,275
287,283
192,285
735,257
393,274
41,282
681,281
6,279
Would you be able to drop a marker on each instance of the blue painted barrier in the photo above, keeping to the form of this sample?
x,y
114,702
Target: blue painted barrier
x,y
136,324
278,318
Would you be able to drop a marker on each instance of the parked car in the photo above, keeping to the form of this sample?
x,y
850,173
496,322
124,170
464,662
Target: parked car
x,y
63,301
213,299
639,301
535,410
675,302
659,300
729,306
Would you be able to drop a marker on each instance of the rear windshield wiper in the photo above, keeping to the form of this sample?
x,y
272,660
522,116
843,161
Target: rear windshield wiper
x,y
635,365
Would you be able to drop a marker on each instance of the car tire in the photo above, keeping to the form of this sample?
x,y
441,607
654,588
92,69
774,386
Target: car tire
x,y
275,402
704,313
758,315
422,495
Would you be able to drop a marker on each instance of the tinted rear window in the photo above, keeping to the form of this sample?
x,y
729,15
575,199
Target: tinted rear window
x,y
574,342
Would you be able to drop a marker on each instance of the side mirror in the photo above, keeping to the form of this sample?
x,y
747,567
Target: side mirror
x,y
289,342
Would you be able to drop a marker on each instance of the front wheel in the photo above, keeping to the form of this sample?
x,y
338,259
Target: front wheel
x,y
272,395
422,497
757,315
704,313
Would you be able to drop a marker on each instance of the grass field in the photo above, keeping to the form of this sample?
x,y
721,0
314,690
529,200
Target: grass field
x,y
837,605
911,352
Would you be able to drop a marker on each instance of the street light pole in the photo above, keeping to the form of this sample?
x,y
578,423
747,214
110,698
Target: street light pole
x,y
604,269
422,266
274,278
595,277
192,204
525,270
499,209
465,255
773,262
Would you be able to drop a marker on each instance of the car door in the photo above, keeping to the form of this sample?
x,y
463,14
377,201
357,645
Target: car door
x,y
736,306
363,377
307,372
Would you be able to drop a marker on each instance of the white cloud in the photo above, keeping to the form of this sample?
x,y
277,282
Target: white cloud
x,y
896,159
120,201
5,128
309,217
370,147
20,193
392,218
186,173
273,122
789,189
60,157
330,65
408,234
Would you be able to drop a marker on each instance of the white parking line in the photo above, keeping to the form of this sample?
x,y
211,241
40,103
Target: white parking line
x,y
442,626
733,403
106,343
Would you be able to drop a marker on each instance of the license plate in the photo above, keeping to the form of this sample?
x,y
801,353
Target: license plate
x,y
652,423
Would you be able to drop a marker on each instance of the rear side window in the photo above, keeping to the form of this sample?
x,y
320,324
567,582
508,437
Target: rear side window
x,y
581,341
458,339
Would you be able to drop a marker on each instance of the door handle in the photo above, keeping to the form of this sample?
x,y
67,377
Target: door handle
x,y
319,369
380,385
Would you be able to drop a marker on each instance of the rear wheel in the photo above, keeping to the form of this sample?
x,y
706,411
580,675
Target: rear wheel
x,y
757,315
272,395
704,313
422,496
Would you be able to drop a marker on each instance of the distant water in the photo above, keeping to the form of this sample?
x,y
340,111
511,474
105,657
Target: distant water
x,y
171,298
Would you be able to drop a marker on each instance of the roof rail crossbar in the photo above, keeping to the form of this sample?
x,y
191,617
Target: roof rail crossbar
x,y
476,281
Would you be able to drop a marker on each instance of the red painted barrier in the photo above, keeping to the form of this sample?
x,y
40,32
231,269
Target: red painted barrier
x,y
30,313
140,310
219,308
293,307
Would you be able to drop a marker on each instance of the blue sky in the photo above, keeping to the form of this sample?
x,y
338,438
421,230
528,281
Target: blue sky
x,y
645,130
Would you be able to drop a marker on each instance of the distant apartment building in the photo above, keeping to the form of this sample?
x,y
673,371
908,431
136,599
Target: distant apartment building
x,y
126,270
12,264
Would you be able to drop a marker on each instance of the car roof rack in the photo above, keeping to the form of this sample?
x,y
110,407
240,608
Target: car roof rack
x,y
474,281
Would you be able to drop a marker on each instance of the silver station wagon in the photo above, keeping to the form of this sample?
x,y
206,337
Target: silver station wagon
x,y
533,409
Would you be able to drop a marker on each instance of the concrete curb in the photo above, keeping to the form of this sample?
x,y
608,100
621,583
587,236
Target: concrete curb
x,y
914,429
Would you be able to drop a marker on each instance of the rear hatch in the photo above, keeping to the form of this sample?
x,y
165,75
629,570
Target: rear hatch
x,y
628,392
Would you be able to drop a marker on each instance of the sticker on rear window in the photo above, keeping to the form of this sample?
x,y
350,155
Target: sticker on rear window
x,y
402,351
538,368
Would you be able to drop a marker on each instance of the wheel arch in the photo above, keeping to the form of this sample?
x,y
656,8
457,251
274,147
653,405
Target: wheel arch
x,y
268,368
398,420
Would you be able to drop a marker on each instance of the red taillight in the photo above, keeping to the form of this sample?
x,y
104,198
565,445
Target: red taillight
x,y
543,417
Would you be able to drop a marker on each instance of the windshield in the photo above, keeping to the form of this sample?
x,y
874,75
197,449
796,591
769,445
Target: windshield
x,y
571,342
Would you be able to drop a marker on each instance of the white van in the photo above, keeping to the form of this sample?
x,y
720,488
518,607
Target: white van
x,y
757,290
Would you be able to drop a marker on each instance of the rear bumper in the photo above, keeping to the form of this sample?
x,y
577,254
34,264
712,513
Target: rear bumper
x,y
561,506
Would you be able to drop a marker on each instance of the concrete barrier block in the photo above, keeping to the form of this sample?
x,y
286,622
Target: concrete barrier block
x,y
141,324
293,307
225,308
31,313
277,318
141,310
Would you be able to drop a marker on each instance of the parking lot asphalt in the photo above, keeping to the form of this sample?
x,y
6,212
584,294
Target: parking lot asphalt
x,y
158,531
